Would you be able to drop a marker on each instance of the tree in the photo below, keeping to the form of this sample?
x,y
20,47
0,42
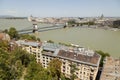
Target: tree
x,y
103,54
35,71
4,45
19,59
38,39
71,22
55,68
23,56
50,41
13,33
4,67
29,37
91,23
5,31
72,71
13,65
43,75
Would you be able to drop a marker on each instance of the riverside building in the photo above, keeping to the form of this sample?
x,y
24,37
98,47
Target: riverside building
x,y
85,60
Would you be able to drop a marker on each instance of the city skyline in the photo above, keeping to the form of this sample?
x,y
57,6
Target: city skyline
x,y
60,8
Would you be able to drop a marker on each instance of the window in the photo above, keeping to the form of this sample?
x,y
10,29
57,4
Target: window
x,y
84,73
87,74
43,60
63,70
50,58
92,70
67,67
63,62
91,78
80,72
77,73
64,67
38,60
78,64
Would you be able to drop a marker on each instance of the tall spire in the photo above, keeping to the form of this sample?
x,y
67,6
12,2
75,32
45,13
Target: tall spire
x,y
102,16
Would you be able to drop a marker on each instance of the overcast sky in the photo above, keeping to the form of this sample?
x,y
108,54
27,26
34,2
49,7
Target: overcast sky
x,y
60,8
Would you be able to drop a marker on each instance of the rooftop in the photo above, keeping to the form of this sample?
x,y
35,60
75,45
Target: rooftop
x,y
86,59
28,43
77,54
52,46
91,60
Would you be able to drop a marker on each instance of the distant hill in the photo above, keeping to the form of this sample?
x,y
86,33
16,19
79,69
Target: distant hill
x,y
5,16
11,17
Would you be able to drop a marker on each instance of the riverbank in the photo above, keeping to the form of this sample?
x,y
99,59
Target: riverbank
x,y
97,27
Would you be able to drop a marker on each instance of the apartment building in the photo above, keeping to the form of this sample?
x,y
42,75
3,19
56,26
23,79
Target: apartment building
x,y
86,61
31,47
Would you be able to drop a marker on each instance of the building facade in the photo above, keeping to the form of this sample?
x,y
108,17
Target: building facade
x,y
85,60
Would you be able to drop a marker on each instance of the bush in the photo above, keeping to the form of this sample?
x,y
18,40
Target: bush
x,y
103,55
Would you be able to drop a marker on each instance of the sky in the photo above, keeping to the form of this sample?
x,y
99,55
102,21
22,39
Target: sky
x,y
60,8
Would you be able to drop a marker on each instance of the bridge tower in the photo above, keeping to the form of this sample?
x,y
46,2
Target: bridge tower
x,y
35,28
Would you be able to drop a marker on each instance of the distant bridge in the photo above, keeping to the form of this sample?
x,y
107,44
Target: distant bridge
x,y
41,29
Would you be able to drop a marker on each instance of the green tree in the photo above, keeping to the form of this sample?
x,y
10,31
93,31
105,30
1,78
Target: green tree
x,y
50,41
23,56
91,23
5,31
35,72
19,68
43,75
103,55
4,68
4,45
19,59
13,33
71,22
55,68
14,64
29,37
73,68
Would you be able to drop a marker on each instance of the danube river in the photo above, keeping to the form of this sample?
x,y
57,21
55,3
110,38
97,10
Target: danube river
x,y
96,39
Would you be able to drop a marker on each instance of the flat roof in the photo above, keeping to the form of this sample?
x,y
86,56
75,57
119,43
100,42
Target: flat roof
x,y
52,46
29,43
76,57
92,60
